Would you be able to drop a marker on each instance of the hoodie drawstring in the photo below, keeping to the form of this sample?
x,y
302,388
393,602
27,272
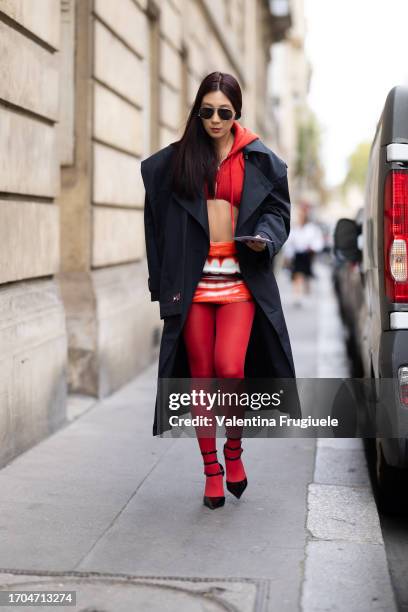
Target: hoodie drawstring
x,y
231,199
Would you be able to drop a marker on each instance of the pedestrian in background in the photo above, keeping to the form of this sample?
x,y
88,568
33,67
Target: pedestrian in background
x,y
218,295
305,240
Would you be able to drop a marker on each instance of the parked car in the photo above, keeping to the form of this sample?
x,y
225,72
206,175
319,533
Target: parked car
x,y
381,325
348,285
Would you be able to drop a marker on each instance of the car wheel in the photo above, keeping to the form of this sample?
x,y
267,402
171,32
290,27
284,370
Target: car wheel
x,y
391,485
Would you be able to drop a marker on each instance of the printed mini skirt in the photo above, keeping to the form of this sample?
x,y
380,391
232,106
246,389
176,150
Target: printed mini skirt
x,y
221,281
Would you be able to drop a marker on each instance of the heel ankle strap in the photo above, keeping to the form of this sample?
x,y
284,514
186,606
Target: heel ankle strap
x,y
232,448
238,449
208,452
220,473
210,462
232,458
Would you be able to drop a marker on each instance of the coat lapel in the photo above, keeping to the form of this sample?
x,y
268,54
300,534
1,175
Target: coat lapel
x,y
197,209
255,189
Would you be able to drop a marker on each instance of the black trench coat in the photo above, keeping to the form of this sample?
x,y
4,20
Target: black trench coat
x,y
177,244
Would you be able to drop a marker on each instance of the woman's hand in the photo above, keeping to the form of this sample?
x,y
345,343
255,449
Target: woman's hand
x,y
256,246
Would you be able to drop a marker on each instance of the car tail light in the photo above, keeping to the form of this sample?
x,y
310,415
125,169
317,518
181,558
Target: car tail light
x,y
396,236
403,385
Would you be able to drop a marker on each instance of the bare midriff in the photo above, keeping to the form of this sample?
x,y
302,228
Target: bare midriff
x,y
219,219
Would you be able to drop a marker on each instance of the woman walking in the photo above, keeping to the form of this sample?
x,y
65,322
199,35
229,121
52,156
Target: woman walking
x,y
305,240
218,295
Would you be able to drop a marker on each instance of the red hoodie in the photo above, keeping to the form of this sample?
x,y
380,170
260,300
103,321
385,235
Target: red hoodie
x,y
230,176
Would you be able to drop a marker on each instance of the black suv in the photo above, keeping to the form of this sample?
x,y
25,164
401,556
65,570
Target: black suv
x,y
382,322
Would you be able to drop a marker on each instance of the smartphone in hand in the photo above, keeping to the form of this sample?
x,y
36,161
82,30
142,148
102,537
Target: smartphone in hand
x,y
253,238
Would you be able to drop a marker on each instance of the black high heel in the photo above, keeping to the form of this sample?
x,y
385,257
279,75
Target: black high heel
x,y
213,502
236,488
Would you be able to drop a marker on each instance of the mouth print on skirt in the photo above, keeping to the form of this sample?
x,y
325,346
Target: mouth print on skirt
x,y
222,282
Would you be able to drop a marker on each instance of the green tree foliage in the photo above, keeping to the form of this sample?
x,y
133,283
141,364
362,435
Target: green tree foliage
x,y
357,166
309,169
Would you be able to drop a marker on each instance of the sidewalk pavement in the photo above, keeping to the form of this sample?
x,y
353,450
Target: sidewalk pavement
x,y
103,508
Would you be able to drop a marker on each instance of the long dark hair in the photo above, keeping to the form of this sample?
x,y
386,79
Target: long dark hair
x,y
195,160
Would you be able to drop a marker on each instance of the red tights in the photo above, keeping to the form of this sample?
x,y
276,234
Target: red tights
x,y
216,338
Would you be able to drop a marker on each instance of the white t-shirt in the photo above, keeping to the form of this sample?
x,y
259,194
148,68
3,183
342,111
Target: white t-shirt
x,y
304,237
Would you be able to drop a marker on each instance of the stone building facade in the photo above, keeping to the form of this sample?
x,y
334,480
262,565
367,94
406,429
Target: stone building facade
x,y
88,88
289,82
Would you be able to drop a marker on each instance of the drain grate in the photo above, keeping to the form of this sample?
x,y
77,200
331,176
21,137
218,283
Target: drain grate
x,y
95,590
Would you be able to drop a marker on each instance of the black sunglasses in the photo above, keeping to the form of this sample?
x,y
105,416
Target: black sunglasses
x,y
224,113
